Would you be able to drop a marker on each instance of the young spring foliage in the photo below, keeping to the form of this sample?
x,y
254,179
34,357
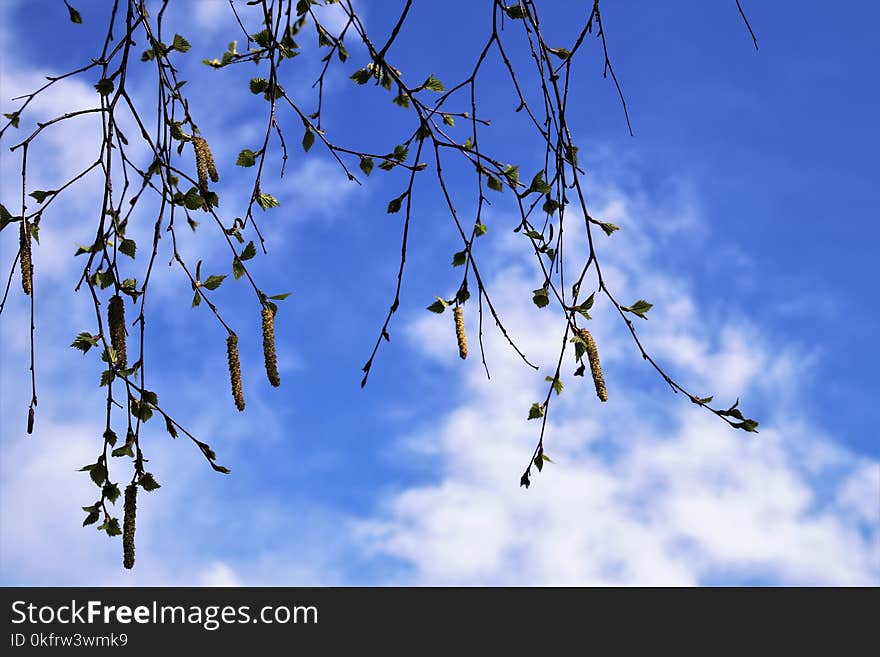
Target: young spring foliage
x,y
438,125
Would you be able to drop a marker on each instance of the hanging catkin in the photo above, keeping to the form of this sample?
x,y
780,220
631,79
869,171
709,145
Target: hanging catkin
x,y
128,526
269,346
204,163
460,335
595,365
116,321
234,370
27,267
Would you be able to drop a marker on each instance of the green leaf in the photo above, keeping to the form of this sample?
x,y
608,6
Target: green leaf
x,y
394,205
147,482
608,227
433,84
480,229
536,411
281,297
213,282
515,12
128,247
366,165
247,158
308,139
538,184
747,425
459,258
249,251
180,44
238,269
107,377
557,384
170,428
104,87
511,172
125,450
267,201
448,120
495,184
39,195
402,100
541,297
111,526
98,473
639,308
197,299
438,306
562,53
258,85
111,492
550,205
75,16
13,117
92,517
361,76
84,341
585,306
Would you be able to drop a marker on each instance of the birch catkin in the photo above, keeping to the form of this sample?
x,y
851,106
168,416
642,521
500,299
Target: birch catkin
x,y
27,267
234,370
128,520
269,346
204,163
116,321
460,335
595,365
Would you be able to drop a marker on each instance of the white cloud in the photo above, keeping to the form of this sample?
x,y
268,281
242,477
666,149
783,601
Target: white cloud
x,y
646,489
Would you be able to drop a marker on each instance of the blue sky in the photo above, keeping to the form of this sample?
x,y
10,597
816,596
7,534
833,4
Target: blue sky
x,y
747,217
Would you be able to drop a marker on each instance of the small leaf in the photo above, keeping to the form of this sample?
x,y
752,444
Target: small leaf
x,y
308,140
104,87
608,227
180,43
433,84
84,341
249,251
75,16
536,411
438,306
247,158
267,201
147,482
366,165
557,384
639,308
128,247
459,258
394,205
281,297
213,282
39,195
538,184
258,85
495,184
541,297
